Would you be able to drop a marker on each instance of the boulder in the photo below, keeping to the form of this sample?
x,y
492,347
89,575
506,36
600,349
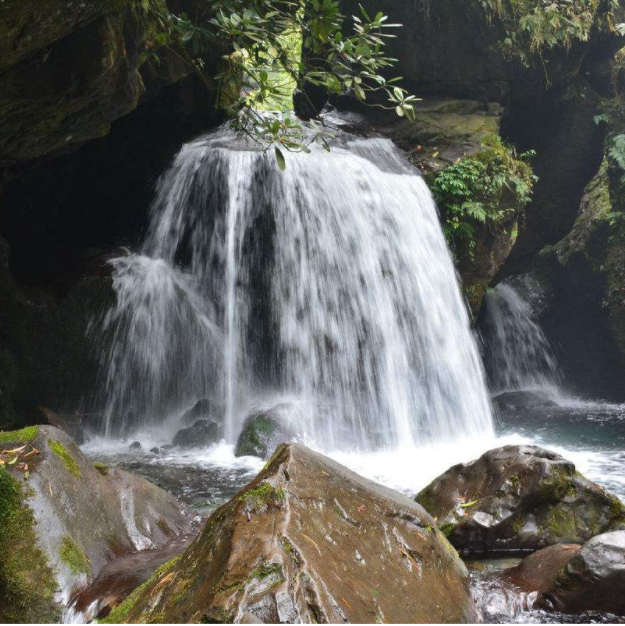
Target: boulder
x,y
593,580
263,431
309,541
202,433
62,520
537,572
202,409
519,498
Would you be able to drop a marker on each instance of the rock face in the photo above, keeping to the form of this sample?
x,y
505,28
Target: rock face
x,y
46,356
263,431
309,541
66,519
593,580
584,273
519,498
71,72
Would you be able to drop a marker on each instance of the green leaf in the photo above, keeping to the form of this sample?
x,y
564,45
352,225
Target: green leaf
x,y
280,158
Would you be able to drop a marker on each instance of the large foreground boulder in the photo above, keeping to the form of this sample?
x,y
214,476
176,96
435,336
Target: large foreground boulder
x,y
309,541
593,580
62,519
519,498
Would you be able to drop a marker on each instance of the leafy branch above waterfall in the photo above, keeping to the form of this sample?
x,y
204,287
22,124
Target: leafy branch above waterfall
x,y
273,48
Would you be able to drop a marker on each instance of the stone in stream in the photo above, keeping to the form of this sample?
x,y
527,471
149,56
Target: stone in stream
x,y
202,433
519,498
136,445
62,520
309,541
593,580
263,431
202,409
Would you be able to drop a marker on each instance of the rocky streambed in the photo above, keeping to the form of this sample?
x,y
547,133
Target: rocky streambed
x,y
306,540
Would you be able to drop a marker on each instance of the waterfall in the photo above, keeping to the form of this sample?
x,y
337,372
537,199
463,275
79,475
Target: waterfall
x,y
329,283
518,355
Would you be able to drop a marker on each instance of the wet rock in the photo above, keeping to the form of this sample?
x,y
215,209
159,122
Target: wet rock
x,y
136,445
517,400
263,431
203,409
519,498
70,424
202,433
538,572
310,541
62,520
593,580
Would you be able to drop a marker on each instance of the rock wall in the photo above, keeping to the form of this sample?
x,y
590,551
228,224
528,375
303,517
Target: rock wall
x,y
94,106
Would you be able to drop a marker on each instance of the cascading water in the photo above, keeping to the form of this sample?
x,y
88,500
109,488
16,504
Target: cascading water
x,y
329,282
518,355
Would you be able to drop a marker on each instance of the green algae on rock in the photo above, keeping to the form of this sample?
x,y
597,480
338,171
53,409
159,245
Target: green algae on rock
x,y
319,545
68,460
24,435
27,580
519,498
57,532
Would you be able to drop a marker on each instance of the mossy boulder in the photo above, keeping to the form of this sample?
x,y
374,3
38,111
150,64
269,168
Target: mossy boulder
x,y
62,520
519,498
593,580
310,541
263,431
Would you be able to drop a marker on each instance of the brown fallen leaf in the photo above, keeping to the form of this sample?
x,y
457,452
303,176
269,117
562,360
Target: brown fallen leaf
x,y
347,603
33,451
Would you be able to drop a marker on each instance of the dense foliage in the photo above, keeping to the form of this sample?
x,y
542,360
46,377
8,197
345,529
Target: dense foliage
x,y
532,26
272,47
487,188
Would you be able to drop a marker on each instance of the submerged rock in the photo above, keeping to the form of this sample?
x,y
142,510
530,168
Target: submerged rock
x,y
263,431
309,541
202,433
519,498
202,409
62,520
593,580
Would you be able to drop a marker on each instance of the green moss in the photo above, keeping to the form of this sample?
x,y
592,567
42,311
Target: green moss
x,y
262,495
447,528
120,613
561,525
514,480
19,436
101,467
68,460
27,582
74,557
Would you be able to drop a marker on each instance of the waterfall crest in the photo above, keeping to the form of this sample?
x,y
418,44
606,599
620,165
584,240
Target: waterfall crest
x,y
330,283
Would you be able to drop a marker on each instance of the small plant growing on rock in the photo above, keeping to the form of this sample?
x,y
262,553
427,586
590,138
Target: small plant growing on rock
x,y
487,188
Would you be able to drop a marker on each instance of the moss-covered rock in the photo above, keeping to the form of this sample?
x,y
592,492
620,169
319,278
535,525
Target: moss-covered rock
x,y
309,541
519,498
263,431
62,520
